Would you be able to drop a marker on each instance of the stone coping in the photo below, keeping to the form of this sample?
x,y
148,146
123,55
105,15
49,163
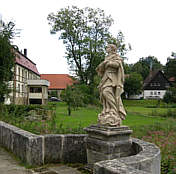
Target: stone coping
x,y
108,131
146,160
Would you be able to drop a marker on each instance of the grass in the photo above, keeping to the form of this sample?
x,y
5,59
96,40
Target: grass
x,y
136,116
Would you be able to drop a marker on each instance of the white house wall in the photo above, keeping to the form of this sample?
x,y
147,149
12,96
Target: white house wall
x,y
157,94
22,74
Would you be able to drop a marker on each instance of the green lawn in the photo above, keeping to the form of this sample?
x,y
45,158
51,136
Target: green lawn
x,y
86,116
145,111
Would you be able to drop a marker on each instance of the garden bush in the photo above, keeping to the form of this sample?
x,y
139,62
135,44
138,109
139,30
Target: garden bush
x,y
164,136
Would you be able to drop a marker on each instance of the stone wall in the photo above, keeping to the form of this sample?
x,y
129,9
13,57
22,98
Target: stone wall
x,y
25,145
146,160
66,148
40,149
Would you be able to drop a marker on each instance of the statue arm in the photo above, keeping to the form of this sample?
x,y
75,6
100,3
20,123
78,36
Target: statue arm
x,y
113,64
101,68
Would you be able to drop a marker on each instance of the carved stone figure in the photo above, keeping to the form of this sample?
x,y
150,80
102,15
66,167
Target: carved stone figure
x,y
111,87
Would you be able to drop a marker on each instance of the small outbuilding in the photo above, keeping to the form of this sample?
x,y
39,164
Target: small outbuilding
x,y
58,82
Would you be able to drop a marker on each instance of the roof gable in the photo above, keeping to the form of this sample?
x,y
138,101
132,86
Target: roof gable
x,y
58,81
156,80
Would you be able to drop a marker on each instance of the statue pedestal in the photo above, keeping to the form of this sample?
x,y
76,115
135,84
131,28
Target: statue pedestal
x,y
106,143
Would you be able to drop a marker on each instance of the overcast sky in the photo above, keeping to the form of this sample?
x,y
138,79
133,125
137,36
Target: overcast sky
x,y
148,25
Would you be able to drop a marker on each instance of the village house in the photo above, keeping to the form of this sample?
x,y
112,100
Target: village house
x,y
155,85
27,87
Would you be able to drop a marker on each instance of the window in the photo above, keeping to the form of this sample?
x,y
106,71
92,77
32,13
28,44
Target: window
x,y
22,75
29,76
22,87
35,89
23,72
155,93
18,87
151,93
158,93
19,74
19,71
26,75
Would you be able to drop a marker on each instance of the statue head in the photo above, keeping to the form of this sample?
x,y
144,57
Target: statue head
x,y
111,48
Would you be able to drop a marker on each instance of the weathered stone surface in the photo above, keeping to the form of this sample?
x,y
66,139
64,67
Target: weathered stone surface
x,y
74,149
146,160
67,148
105,143
35,151
109,133
27,146
6,135
111,167
109,147
32,149
53,148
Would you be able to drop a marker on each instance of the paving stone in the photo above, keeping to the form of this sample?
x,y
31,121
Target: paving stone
x,y
8,165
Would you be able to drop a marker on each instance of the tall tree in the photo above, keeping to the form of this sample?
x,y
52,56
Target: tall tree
x,y
6,58
133,84
85,33
144,65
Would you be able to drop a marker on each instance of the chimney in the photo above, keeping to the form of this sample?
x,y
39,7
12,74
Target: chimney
x,y
25,52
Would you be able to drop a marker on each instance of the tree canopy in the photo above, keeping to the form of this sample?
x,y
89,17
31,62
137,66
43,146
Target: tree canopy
x,y
85,33
133,84
144,65
6,59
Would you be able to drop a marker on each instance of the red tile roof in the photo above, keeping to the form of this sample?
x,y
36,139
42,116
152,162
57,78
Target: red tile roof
x,y
25,62
58,81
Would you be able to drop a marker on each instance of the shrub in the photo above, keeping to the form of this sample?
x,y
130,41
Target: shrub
x,y
170,95
164,136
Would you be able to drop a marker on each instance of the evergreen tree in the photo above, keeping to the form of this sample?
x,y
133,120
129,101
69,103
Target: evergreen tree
x,y
7,57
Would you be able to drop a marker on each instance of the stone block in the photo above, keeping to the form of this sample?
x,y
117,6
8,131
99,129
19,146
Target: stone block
x,y
105,143
6,135
74,149
25,145
109,167
35,151
111,147
69,148
53,148
28,147
108,133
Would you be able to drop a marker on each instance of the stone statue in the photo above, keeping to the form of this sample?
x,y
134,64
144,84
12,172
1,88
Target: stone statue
x,y
110,88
